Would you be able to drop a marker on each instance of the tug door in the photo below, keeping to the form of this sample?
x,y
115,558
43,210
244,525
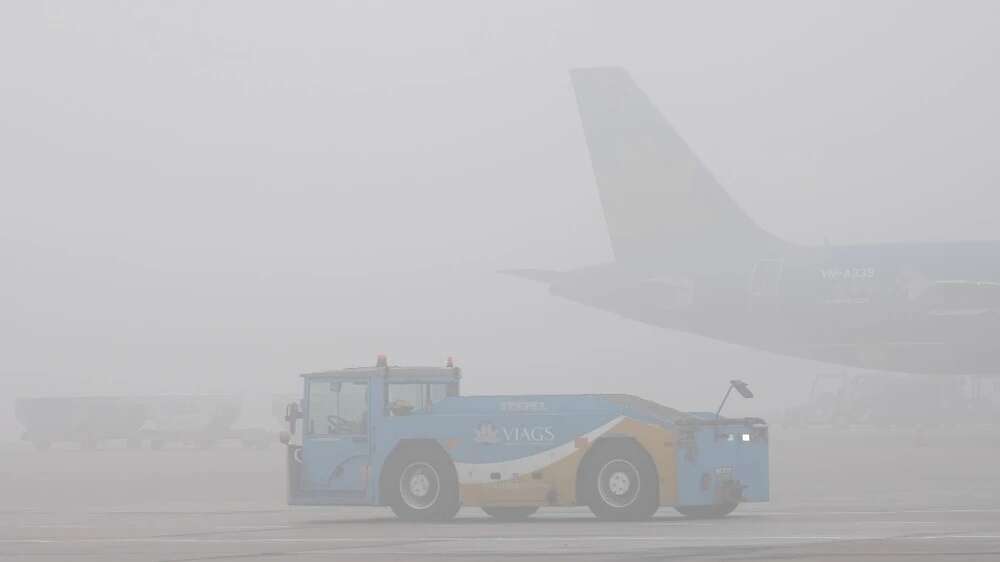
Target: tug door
x,y
336,444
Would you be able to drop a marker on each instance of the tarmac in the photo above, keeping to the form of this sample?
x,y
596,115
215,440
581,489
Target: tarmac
x,y
851,494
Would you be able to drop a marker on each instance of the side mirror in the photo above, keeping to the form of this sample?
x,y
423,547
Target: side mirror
x,y
292,415
742,388
285,437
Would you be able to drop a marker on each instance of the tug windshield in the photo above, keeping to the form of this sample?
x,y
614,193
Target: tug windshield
x,y
337,407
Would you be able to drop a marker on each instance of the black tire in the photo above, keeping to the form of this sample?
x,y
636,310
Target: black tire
x,y
619,481
420,484
505,513
716,511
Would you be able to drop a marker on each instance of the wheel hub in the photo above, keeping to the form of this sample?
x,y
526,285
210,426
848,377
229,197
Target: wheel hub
x,y
419,485
618,483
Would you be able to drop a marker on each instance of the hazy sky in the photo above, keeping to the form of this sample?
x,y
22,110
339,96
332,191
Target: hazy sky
x,y
196,196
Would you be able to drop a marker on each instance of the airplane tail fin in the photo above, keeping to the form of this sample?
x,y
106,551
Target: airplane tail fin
x,y
659,200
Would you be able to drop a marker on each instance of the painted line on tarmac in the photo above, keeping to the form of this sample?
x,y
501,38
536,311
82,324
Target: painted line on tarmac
x,y
251,527
946,537
899,512
891,522
50,526
480,540
684,523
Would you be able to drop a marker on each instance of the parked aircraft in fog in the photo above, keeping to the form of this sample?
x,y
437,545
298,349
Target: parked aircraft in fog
x,y
689,259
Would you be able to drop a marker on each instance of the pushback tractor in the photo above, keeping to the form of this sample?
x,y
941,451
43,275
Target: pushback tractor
x,y
405,437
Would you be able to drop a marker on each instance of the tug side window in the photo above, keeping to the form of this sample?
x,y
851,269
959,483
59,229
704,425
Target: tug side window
x,y
404,399
413,398
440,391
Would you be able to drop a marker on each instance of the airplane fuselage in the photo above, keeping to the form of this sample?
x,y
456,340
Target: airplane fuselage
x,y
929,308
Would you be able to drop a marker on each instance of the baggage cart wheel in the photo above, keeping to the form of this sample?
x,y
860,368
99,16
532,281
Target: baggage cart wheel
x,y
512,513
420,484
620,481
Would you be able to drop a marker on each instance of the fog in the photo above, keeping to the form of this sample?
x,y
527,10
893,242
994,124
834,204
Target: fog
x,y
214,197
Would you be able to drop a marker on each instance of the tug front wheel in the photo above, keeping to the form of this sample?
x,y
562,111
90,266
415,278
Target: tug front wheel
x,y
620,481
420,484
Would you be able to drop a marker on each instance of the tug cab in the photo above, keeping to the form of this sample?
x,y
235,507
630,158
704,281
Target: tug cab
x,y
342,416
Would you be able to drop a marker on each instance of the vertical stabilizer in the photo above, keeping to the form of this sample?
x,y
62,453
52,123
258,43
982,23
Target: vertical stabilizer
x,y
659,200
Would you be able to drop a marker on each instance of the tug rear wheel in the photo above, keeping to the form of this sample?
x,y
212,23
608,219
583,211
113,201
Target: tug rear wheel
x,y
420,484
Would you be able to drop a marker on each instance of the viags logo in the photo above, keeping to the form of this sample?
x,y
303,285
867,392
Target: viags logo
x,y
489,434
